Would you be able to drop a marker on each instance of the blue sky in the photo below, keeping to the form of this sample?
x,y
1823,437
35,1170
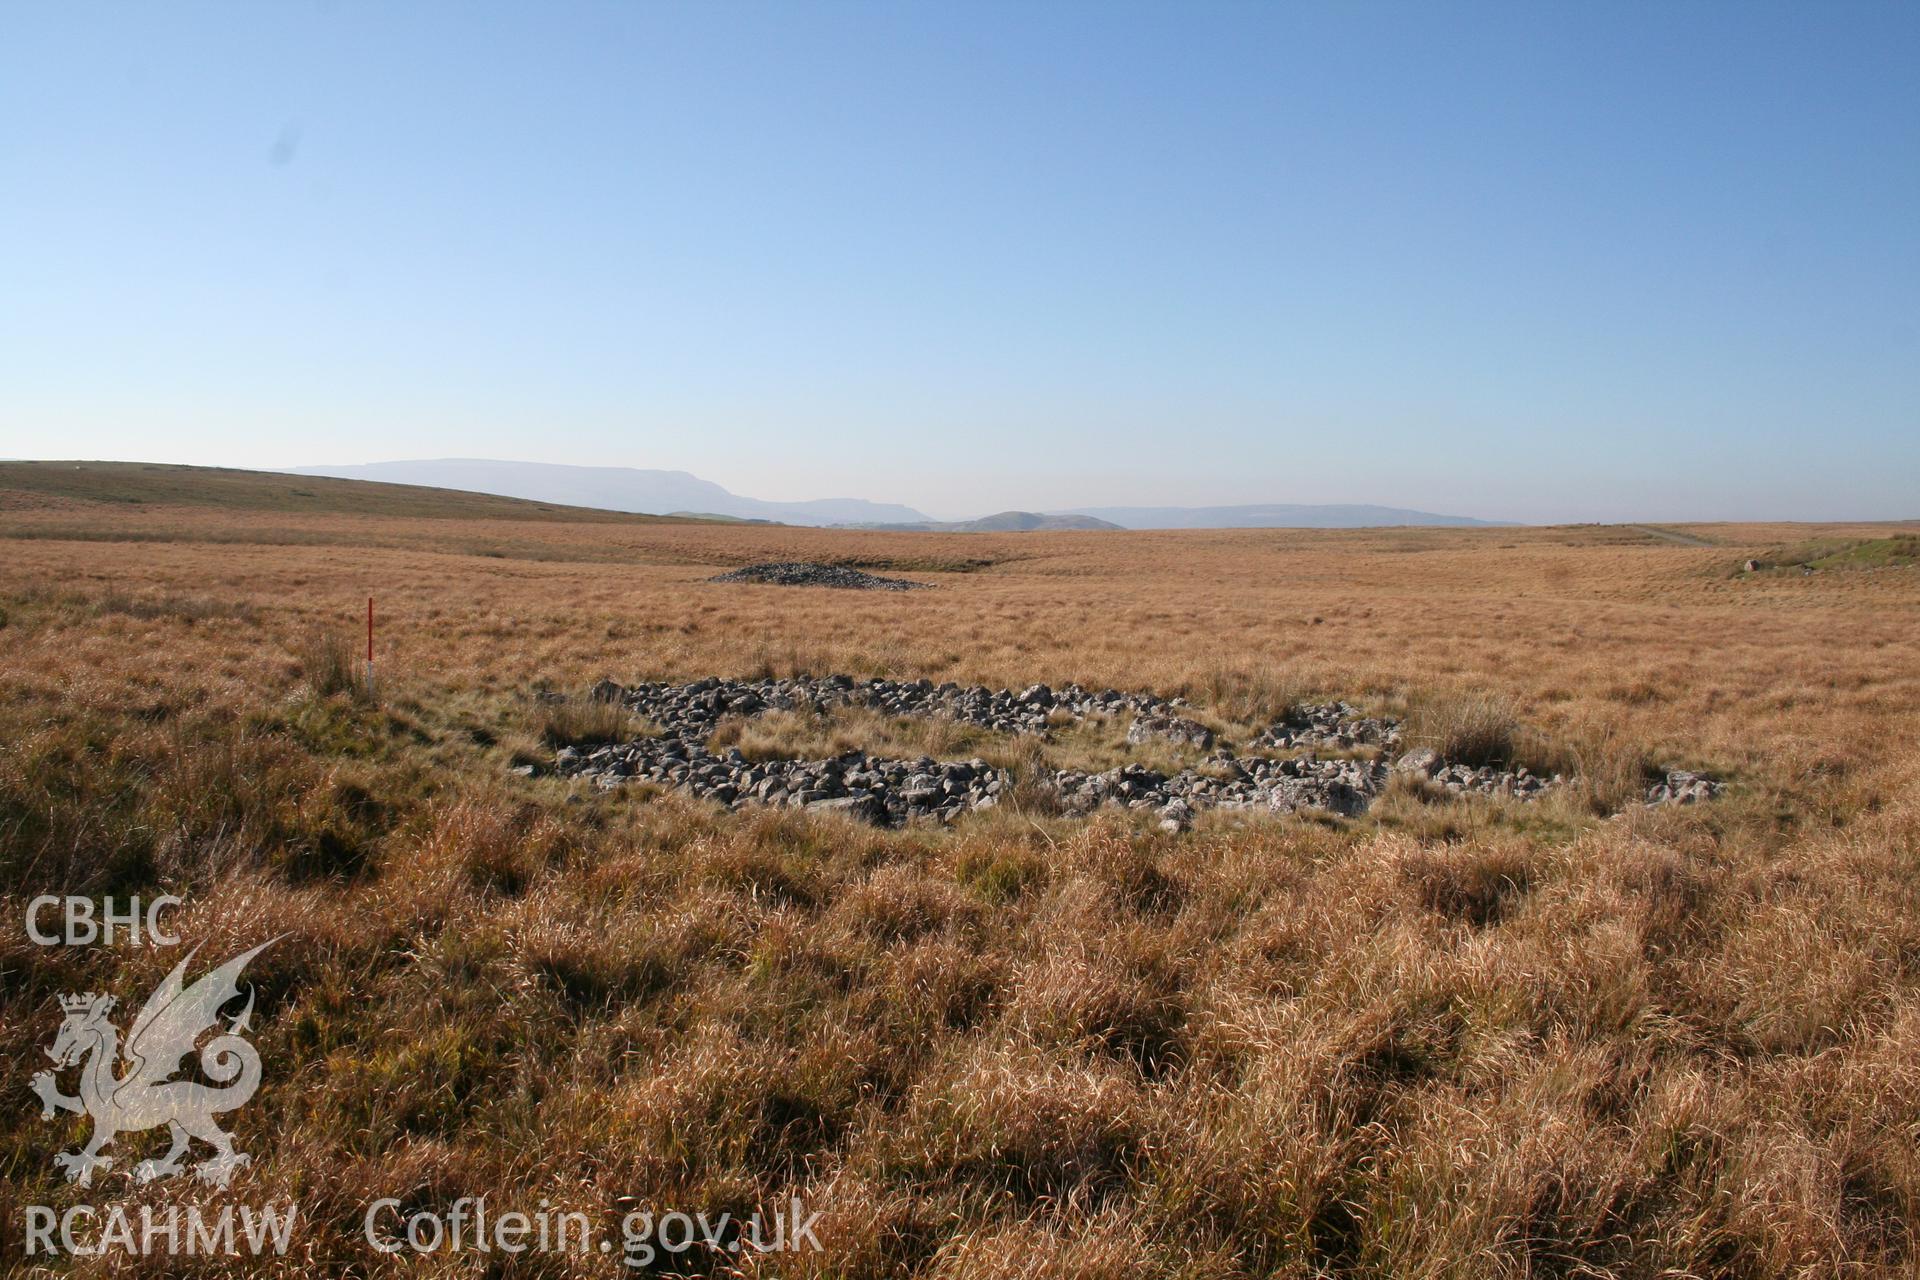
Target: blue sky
x,y
1520,261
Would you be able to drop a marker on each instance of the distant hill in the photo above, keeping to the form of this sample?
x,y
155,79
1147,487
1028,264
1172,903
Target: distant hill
x,y
613,489
1024,521
1270,516
481,489
1001,522
708,515
137,484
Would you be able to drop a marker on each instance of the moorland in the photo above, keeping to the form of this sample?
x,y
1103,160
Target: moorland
x,y
1455,1036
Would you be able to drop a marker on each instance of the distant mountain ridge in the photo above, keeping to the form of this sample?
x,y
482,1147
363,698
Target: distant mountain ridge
x,y
999,522
633,489
613,489
1272,516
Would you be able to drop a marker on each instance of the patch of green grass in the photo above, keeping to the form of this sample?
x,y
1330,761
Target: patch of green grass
x,y
1001,875
338,726
1874,553
1900,551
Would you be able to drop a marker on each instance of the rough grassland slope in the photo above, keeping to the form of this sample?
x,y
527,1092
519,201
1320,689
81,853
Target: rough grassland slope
x,y
1446,1040
28,485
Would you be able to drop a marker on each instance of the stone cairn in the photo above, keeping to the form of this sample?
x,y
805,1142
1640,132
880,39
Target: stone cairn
x,y
891,792
801,573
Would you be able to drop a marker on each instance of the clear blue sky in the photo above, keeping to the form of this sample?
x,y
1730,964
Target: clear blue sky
x,y
1524,261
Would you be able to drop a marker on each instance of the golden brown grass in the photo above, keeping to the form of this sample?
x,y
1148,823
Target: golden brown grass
x,y
1454,1039
807,733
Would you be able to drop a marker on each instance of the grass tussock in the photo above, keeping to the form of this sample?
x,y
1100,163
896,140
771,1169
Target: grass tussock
x,y
587,722
1473,729
1256,697
1604,769
331,664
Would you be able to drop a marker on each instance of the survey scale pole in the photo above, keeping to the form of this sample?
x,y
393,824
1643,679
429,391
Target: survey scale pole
x,y
369,646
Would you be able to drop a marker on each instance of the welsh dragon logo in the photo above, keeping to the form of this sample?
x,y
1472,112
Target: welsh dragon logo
x,y
144,1096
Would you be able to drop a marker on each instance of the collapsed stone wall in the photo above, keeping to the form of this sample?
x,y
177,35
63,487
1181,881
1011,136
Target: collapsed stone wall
x,y
890,792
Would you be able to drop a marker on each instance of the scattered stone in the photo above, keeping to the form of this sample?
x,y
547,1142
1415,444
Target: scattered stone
x,y
863,807
800,573
1281,786
1681,787
1330,726
868,789
1175,729
692,711
890,792
1516,784
1424,761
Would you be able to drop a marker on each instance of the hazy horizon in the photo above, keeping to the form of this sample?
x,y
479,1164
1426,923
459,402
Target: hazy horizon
x,y
1543,264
